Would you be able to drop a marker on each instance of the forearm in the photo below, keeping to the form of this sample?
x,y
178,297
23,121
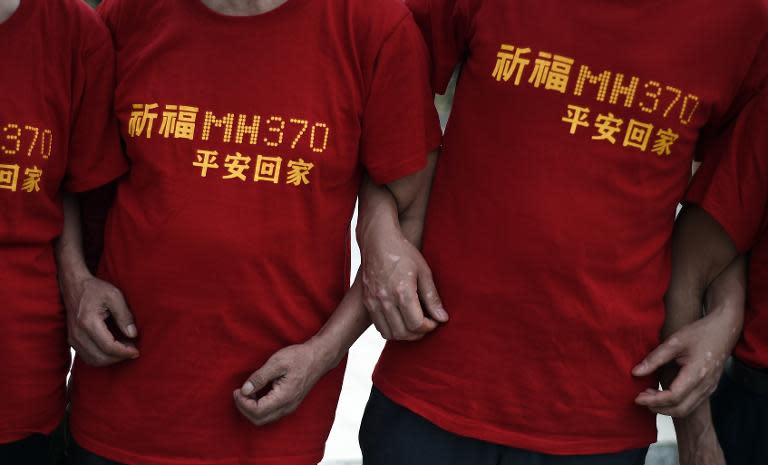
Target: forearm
x,y
696,438
701,251
343,328
69,247
400,206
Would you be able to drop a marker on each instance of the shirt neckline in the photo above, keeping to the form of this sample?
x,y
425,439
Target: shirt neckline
x,y
202,11
17,17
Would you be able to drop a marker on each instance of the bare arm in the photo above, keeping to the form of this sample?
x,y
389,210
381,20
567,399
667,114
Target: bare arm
x,y
706,273
398,288
89,301
293,371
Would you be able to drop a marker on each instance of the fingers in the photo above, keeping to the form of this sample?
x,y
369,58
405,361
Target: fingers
x,y
687,405
395,321
409,307
375,310
99,333
663,354
87,350
430,296
268,409
687,391
259,379
120,312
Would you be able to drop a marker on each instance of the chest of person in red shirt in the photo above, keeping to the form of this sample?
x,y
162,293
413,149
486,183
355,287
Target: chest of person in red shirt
x,y
57,135
569,147
248,137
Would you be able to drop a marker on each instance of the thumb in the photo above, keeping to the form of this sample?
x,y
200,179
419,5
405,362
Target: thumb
x,y
430,297
660,356
118,308
261,378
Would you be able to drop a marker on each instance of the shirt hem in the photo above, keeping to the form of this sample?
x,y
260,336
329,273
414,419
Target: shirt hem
x,y
105,177
473,428
8,435
118,455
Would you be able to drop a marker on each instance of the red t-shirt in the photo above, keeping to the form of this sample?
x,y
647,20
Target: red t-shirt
x,y
230,238
57,133
570,144
732,186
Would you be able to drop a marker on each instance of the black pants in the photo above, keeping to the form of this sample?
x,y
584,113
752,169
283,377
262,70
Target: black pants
x,y
741,422
393,435
37,449
76,455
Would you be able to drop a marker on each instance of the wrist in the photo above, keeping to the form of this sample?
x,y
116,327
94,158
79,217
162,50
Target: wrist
x,y
74,275
327,351
372,224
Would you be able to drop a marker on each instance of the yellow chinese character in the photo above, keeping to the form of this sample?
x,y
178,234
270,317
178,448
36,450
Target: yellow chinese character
x,y
663,145
9,176
607,126
553,73
559,74
577,116
638,134
508,62
236,165
268,169
141,118
299,172
185,126
179,120
206,159
168,125
541,69
32,179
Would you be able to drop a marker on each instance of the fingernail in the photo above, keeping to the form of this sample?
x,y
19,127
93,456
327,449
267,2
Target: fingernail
x,y
130,330
247,388
442,314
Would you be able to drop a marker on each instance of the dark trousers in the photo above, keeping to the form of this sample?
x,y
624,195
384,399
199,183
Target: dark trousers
x,y
76,455
393,435
37,449
741,421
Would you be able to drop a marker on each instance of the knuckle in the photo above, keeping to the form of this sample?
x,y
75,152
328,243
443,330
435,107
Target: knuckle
x,y
370,304
81,319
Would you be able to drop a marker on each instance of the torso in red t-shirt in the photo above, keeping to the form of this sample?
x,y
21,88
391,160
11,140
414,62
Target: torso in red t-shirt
x,y
230,236
56,133
732,186
570,144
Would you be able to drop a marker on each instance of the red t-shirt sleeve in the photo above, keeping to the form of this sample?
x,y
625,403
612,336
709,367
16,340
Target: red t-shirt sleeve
x,y
95,156
755,79
400,124
443,24
732,184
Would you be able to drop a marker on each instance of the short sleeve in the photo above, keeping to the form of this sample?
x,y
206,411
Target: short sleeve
x,y
752,83
399,123
95,155
443,24
732,184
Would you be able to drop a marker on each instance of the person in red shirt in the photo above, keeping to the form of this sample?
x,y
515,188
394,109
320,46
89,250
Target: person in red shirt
x,y
57,137
726,214
569,146
223,291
